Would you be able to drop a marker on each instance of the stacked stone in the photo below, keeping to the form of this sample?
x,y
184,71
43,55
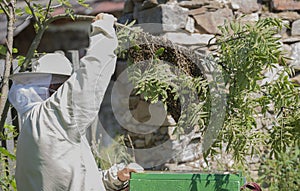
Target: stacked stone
x,y
194,23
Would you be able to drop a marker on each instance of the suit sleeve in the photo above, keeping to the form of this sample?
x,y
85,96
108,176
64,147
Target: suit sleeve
x,y
78,100
110,178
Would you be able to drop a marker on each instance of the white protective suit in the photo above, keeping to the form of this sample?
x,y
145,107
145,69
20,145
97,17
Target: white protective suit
x,y
52,151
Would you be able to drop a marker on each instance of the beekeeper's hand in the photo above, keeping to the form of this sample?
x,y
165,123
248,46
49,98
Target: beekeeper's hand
x,y
104,23
105,16
124,174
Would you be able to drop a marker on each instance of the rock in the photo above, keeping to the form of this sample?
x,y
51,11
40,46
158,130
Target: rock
x,y
287,49
283,31
139,143
155,156
171,120
290,40
211,20
213,6
189,39
235,6
144,118
190,153
245,6
170,17
193,4
296,28
149,4
295,56
171,133
141,112
250,18
128,6
138,6
280,5
190,25
197,11
296,79
265,15
159,139
272,75
126,18
133,102
181,167
148,139
163,130
225,2
289,15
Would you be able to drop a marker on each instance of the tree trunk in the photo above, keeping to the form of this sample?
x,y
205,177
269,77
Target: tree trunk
x,y
8,62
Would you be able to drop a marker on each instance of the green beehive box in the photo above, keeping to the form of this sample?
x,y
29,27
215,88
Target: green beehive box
x,y
182,181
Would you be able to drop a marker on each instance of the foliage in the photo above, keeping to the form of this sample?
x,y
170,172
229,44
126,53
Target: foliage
x,y
114,154
283,173
7,159
247,52
157,78
126,36
161,79
42,15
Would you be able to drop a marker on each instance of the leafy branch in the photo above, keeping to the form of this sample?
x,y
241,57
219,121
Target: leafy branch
x,y
43,18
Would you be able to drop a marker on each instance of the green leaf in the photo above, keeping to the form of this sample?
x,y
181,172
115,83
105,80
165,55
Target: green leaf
x,y
15,50
159,51
65,2
7,153
3,50
21,60
27,10
19,11
82,3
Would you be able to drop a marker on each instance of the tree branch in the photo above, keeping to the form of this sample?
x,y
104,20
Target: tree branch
x,y
5,2
36,41
33,13
4,10
48,9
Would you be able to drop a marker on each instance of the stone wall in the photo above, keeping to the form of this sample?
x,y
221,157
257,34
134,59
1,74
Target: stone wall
x,y
191,24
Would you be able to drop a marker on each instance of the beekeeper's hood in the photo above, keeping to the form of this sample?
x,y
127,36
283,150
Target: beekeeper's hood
x,y
30,88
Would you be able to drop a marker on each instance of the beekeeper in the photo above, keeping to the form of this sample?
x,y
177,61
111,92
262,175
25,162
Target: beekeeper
x,y
52,151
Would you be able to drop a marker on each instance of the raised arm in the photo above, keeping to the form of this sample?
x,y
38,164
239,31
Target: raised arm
x,y
80,97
